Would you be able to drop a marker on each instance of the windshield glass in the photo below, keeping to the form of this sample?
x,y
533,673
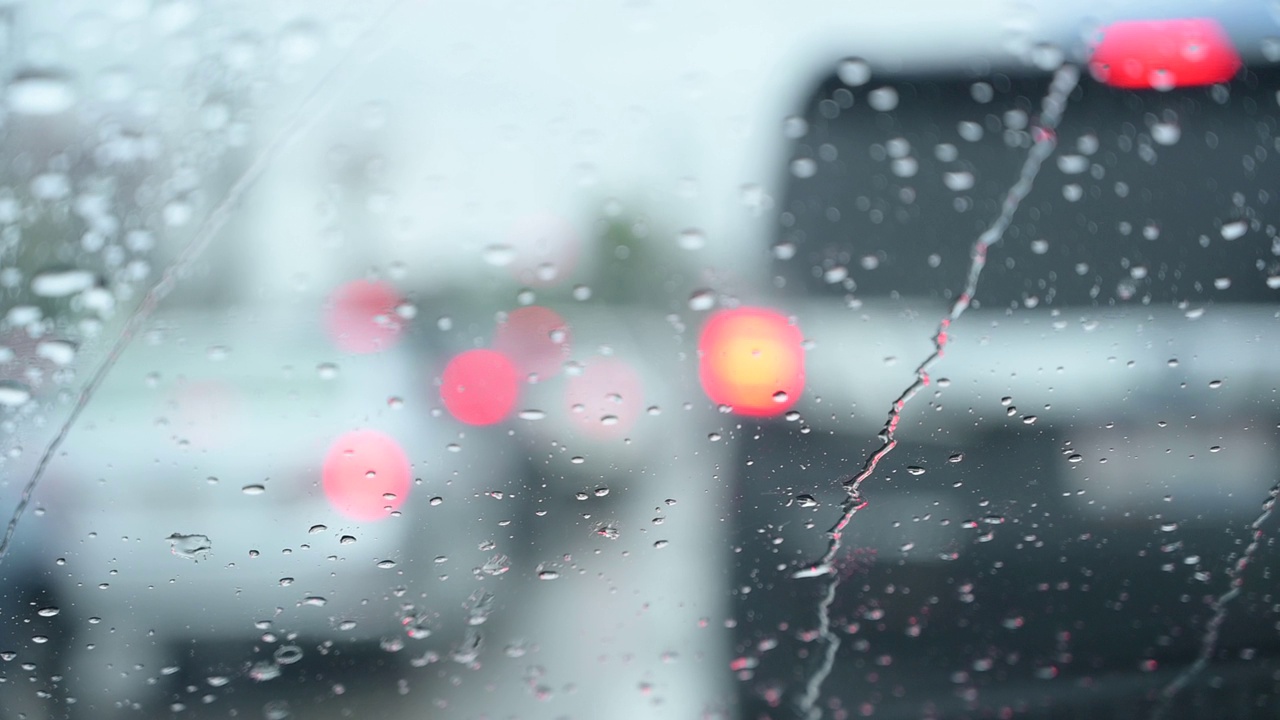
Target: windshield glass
x,y
490,361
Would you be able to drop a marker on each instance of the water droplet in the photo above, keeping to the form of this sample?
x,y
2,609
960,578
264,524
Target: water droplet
x,y
806,501
955,458
804,168
499,255
190,547
905,167
691,239
532,414
702,300
958,181
496,565
601,491
61,283
299,41
915,470
661,544
40,93
346,540
1072,164
853,71
548,575
13,394
327,371
255,489
287,654
969,130
1047,56
1234,230
58,352
883,99
794,127
48,611
314,601
1166,133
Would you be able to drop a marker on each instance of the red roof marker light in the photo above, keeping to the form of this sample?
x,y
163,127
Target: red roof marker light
x,y
1164,54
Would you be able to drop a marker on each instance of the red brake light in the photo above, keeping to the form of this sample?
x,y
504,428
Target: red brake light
x,y
1164,54
752,359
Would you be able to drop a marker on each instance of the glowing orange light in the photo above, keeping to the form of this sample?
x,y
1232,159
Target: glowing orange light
x,y
362,317
605,398
535,339
480,387
366,475
1164,54
752,359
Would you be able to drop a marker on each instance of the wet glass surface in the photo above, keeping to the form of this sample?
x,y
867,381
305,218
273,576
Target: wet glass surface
x,y
490,361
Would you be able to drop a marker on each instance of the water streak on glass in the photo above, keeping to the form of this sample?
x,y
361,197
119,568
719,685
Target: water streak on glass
x,y
1212,631
1052,107
304,117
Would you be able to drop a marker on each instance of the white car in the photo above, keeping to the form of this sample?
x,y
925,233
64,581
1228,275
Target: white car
x,y
201,500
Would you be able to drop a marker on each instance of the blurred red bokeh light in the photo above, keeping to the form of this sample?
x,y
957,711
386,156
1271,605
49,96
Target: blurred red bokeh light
x,y
751,359
480,387
362,317
366,475
535,339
